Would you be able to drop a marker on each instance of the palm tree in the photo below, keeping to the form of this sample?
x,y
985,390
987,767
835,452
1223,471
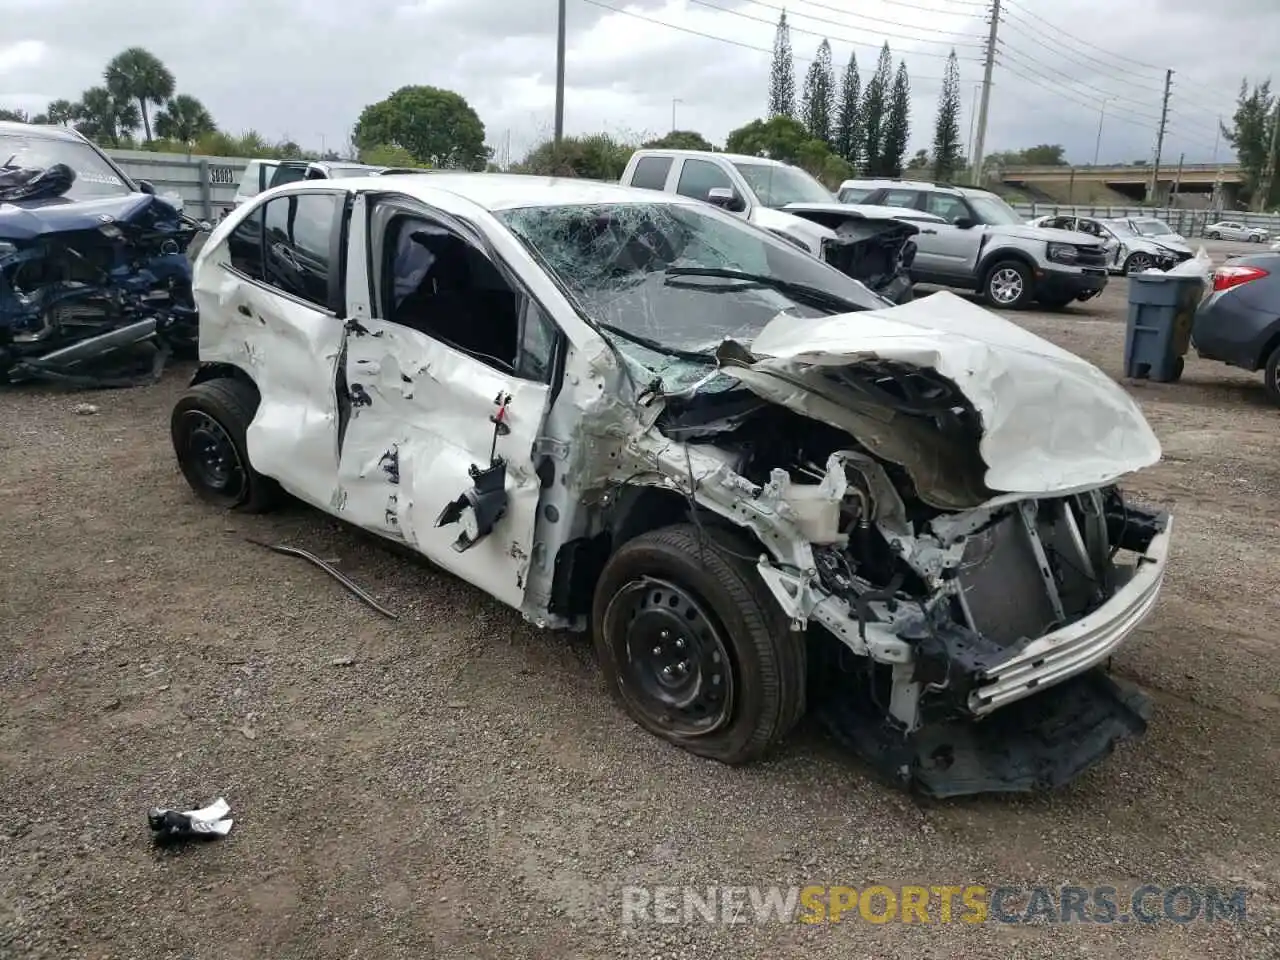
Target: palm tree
x,y
184,119
139,75
103,116
61,111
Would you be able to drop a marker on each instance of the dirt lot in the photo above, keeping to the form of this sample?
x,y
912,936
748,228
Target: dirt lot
x,y
456,783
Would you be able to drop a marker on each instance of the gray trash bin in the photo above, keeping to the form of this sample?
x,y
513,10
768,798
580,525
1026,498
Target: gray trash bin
x,y
1158,332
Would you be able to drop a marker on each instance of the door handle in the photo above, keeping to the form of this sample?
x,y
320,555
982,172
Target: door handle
x,y
930,232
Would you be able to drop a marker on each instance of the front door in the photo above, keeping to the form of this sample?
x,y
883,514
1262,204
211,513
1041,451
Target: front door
x,y
447,377
950,253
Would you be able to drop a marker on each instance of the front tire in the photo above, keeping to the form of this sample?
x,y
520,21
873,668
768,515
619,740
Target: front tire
x,y
208,427
1008,285
694,647
1271,376
1137,262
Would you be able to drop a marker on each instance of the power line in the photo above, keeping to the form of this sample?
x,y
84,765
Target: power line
x,y
949,34
712,36
1058,31
825,36
1055,87
1023,31
1027,64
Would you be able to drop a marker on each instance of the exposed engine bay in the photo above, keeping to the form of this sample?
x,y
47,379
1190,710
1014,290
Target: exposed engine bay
x,y
93,292
933,602
877,252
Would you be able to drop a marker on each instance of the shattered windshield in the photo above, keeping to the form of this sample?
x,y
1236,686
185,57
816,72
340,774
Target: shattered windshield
x,y
94,176
776,186
679,278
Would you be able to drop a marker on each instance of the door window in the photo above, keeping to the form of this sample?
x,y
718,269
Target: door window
x,y
651,172
437,283
900,198
244,246
699,177
946,206
298,239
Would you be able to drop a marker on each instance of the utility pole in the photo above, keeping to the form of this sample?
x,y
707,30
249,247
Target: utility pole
x,y
560,75
986,93
1269,168
1153,194
674,101
1097,144
1177,181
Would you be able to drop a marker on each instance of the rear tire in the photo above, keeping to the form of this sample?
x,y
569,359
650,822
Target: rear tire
x,y
1008,285
693,646
208,428
1271,376
1213,235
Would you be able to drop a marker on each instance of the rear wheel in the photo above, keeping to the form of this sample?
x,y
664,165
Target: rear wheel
x,y
1008,284
208,428
694,648
1213,235
1271,376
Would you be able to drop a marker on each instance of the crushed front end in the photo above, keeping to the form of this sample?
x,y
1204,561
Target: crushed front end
x,y
95,292
958,634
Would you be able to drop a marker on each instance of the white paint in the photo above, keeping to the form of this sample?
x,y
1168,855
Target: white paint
x,y
1052,422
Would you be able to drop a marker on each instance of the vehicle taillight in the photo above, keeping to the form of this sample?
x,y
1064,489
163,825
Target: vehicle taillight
x,y
1224,278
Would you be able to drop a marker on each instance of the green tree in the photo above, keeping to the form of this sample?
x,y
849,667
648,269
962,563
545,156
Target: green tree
x,y
1045,155
780,138
58,112
680,140
897,126
139,75
848,133
1250,135
184,119
103,117
436,126
594,157
919,162
818,98
782,78
14,116
875,103
386,155
946,129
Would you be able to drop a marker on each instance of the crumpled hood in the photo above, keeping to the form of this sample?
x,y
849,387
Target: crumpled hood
x,y
1047,234
1051,422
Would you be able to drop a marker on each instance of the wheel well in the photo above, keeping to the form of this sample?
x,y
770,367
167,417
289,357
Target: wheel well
x,y
634,510
219,371
1272,343
999,256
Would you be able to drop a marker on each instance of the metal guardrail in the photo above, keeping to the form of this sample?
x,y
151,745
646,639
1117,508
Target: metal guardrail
x,y
207,185
1189,223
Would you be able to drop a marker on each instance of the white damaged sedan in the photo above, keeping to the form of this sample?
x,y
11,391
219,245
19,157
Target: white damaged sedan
x,y
762,488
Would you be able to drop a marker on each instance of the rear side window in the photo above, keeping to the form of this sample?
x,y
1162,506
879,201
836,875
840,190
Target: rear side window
x,y
285,174
244,246
651,172
251,182
298,236
699,177
854,194
900,198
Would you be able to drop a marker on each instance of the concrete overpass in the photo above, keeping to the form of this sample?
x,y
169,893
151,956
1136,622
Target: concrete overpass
x,y
1131,182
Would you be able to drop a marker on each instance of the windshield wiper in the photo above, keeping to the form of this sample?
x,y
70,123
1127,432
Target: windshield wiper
x,y
655,346
798,290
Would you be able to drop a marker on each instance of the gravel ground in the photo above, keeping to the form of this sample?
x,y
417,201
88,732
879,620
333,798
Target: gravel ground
x,y
456,783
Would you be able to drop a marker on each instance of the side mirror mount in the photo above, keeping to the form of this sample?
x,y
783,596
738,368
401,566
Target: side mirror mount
x,y
963,223
726,198
147,187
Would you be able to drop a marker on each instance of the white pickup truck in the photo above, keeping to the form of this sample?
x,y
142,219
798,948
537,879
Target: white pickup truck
x,y
871,244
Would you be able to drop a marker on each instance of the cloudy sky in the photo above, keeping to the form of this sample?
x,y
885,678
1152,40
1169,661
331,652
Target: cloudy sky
x,y
303,69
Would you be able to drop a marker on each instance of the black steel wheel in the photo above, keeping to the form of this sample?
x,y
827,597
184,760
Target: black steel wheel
x,y
208,431
692,645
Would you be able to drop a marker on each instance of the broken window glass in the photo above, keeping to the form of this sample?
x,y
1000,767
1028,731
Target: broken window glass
x,y
626,265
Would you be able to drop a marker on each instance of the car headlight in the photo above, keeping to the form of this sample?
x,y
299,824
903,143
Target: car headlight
x,y
1063,253
111,231
6,248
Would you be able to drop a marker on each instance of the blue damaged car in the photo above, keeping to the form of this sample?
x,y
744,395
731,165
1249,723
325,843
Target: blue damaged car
x,y
95,282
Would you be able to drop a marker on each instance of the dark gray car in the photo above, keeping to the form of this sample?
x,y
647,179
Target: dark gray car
x,y
1239,321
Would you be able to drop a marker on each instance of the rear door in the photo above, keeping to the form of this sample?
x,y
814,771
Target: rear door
x,y
448,366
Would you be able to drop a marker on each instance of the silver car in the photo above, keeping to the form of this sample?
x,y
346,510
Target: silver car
x,y
1235,230
1127,250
